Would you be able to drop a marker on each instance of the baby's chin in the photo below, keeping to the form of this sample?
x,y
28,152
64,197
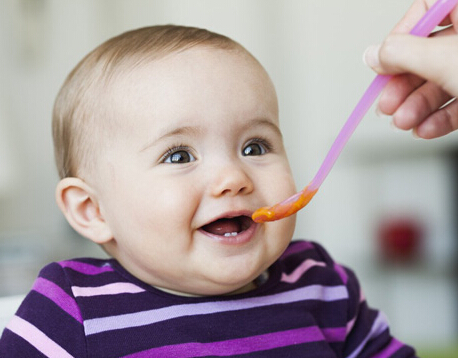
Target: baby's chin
x,y
220,286
208,292
247,288
238,284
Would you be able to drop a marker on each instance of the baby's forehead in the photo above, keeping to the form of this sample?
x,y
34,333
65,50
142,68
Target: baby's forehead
x,y
194,65
186,82
194,56
172,83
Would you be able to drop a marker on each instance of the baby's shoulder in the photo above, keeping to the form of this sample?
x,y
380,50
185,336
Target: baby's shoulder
x,y
74,270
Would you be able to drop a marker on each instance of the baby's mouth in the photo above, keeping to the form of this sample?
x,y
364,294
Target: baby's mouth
x,y
229,227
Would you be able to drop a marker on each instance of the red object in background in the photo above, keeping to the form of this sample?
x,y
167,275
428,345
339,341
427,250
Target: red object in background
x,y
400,240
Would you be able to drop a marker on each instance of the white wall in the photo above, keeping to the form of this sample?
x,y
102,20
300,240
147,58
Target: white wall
x,y
313,51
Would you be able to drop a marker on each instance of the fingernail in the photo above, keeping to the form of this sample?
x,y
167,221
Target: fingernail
x,y
393,127
371,56
415,134
379,113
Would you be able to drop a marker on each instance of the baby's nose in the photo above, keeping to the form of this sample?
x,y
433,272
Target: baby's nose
x,y
231,180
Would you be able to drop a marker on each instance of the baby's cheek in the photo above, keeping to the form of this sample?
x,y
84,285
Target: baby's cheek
x,y
278,235
285,183
175,207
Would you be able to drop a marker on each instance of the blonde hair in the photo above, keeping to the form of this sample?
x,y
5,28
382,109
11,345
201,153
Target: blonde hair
x,y
78,110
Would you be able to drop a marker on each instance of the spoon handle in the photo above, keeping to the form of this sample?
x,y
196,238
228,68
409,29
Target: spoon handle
x,y
427,23
423,28
349,127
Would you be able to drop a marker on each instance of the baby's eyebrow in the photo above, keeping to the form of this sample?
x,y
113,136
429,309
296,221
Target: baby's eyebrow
x,y
262,122
181,131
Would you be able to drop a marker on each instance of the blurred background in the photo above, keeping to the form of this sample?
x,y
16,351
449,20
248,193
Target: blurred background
x,y
388,210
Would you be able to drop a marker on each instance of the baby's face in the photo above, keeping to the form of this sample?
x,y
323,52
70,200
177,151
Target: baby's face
x,y
197,150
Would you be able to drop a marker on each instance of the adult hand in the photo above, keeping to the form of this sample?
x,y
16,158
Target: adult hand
x,y
419,96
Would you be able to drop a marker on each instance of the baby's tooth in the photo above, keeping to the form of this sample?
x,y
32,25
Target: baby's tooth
x,y
228,234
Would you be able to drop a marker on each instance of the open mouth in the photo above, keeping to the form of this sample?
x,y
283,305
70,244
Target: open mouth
x,y
229,227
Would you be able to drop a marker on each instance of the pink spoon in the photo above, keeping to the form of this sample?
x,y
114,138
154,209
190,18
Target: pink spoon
x,y
290,206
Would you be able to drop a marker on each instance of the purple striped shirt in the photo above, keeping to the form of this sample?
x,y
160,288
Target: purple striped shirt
x,y
309,306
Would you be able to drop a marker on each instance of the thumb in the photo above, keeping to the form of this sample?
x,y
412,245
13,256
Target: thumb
x,y
433,59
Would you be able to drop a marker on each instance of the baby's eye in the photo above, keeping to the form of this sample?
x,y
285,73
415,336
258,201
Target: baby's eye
x,y
256,148
178,156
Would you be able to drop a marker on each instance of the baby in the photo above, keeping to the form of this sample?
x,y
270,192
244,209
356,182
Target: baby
x,y
167,139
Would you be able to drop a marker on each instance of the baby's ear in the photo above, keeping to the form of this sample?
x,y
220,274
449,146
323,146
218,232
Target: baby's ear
x,y
79,204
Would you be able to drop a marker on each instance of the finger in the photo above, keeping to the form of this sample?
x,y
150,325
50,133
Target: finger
x,y
453,16
439,123
419,105
395,43
411,17
396,92
433,59
414,14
